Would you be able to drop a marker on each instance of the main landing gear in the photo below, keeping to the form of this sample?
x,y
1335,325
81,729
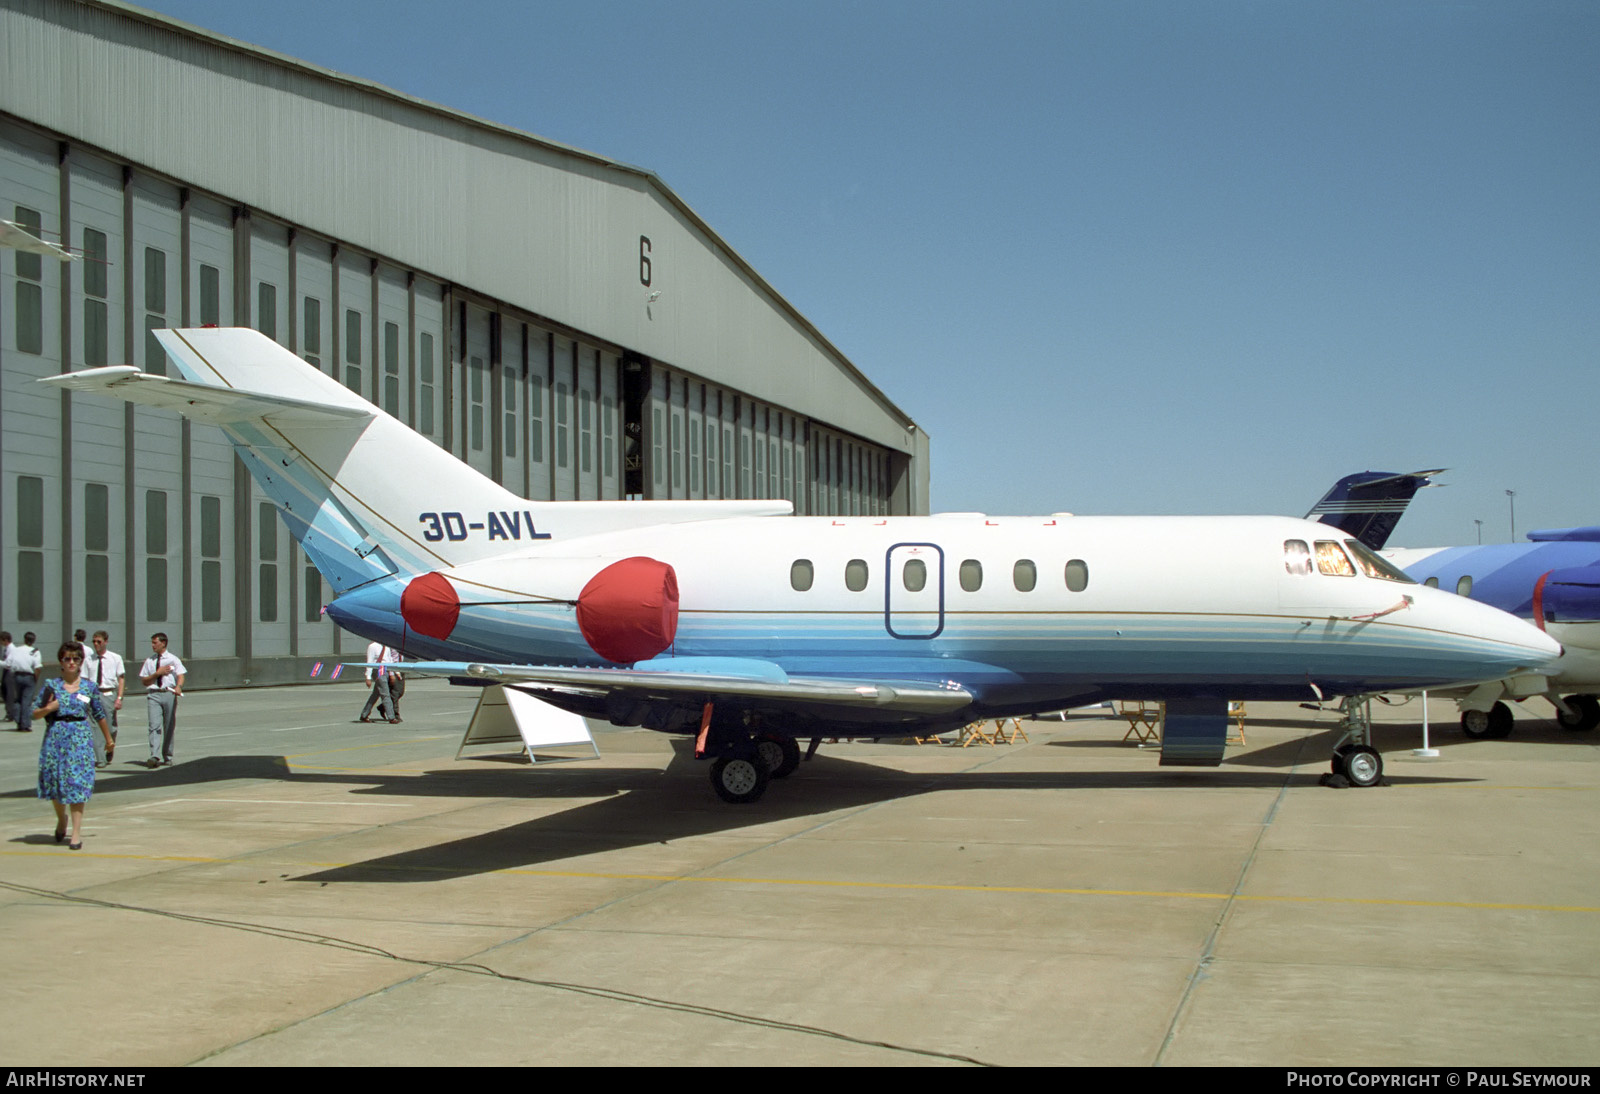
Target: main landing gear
x,y
746,761
1585,713
1492,725
1355,761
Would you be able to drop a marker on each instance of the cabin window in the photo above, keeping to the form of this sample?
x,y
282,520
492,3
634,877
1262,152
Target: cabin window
x,y
971,575
1024,575
1464,585
1296,556
1375,565
801,575
1078,575
1332,560
915,575
855,575
1432,582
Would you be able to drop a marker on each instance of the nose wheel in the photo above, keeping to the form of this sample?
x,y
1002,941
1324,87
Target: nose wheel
x,y
1355,762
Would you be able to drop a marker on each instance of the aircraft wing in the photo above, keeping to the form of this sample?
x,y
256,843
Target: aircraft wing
x,y
714,679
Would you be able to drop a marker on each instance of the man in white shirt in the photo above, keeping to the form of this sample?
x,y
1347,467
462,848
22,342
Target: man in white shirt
x,y
162,675
24,662
381,680
104,669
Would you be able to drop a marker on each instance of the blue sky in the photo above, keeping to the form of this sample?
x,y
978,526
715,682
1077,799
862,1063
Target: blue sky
x,y
1115,257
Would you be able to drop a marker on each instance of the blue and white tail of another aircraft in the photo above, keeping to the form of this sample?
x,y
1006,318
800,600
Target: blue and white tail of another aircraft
x,y
749,627
1369,504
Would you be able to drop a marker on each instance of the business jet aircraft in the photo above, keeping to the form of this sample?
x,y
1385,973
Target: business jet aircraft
x,y
749,627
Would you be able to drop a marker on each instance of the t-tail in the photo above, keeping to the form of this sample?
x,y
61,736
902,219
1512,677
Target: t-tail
x,y
366,496
1368,504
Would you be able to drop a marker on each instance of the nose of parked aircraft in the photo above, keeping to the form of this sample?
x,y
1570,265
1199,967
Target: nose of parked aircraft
x,y
1509,644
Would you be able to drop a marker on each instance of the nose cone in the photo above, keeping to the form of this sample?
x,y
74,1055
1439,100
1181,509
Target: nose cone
x,y
1504,644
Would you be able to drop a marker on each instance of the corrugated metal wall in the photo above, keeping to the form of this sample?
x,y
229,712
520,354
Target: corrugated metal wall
x,y
553,231
135,520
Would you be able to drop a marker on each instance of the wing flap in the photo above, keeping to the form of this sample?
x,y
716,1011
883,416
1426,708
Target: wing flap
x,y
769,684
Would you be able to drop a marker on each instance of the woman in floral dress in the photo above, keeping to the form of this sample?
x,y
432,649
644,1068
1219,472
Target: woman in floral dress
x,y
66,757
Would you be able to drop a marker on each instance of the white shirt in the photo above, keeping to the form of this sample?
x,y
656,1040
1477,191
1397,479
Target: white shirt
x,y
379,654
107,669
169,682
24,659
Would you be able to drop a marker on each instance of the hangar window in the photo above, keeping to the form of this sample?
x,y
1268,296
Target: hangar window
x,y
1296,556
95,282
30,290
1024,575
971,572
155,549
1464,585
424,384
210,559
801,574
855,575
562,440
1375,565
97,538
310,332
391,368
267,309
1332,560
1078,575
30,533
475,371
352,350
536,418
155,309
915,575
210,296
586,431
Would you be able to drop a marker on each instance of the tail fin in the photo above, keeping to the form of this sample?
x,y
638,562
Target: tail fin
x,y
365,495
1368,504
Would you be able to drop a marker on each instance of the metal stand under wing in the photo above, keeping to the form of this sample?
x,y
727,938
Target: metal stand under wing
x,y
507,714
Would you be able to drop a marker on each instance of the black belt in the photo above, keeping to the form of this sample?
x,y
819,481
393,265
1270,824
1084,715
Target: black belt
x,y
71,718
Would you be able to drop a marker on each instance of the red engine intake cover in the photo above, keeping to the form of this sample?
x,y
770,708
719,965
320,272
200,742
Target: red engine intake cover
x,y
629,611
430,606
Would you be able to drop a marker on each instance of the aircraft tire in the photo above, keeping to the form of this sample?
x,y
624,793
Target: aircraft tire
x,y
1588,710
1362,765
739,780
781,754
1500,721
1337,763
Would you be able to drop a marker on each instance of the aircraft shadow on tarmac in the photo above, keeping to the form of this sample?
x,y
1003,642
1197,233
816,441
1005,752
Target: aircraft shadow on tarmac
x,y
648,807
641,806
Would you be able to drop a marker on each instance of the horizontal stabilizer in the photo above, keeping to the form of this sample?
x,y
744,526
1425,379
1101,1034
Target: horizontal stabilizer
x,y
202,402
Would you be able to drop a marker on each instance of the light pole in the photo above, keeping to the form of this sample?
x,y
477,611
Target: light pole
x,y
1511,500
1479,523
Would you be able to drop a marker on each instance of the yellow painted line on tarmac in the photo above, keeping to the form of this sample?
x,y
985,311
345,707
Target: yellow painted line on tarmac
x,y
823,883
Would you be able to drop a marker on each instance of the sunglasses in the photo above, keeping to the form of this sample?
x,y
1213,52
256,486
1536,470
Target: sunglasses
x,y
71,660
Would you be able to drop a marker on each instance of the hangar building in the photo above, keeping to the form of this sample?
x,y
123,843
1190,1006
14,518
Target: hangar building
x,y
563,322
